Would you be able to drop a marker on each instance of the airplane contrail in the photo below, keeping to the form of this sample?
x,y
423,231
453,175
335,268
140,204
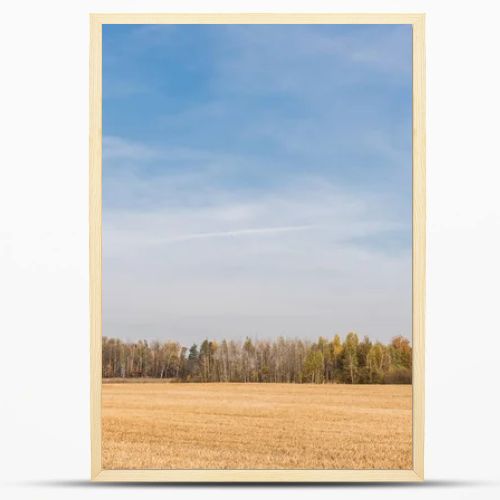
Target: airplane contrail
x,y
238,232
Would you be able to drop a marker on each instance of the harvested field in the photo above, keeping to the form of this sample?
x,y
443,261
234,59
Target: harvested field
x,y
256,426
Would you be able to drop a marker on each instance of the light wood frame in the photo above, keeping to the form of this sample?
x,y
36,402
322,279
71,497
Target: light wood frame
x,y
95,180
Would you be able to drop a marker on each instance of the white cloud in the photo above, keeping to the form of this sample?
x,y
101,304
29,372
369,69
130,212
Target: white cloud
x,y
117,148
267,265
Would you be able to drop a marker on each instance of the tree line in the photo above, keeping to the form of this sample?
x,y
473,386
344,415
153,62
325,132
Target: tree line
x,y
347,361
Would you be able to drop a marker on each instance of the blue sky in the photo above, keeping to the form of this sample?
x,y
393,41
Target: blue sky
x,y
256,181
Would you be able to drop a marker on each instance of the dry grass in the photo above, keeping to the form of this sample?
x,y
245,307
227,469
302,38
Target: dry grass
x,y
256,426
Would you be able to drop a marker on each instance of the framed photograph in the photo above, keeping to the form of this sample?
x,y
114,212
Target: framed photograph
x,y
257,247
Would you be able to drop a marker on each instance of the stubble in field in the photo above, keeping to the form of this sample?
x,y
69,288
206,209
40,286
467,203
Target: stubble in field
x,y
256,426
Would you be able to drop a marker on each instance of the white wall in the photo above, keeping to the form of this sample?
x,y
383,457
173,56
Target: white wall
x,y
44,416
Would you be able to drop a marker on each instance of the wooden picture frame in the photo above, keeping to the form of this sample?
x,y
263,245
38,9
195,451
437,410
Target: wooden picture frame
x,y
418,272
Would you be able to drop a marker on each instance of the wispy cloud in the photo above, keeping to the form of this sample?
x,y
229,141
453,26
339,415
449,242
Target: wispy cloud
x,y
114,148
266,58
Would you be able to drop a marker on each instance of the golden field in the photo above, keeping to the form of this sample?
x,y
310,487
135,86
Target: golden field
x,y
256,426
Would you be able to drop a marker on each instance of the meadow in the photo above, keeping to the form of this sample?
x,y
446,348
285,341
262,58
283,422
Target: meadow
x,y
256,426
